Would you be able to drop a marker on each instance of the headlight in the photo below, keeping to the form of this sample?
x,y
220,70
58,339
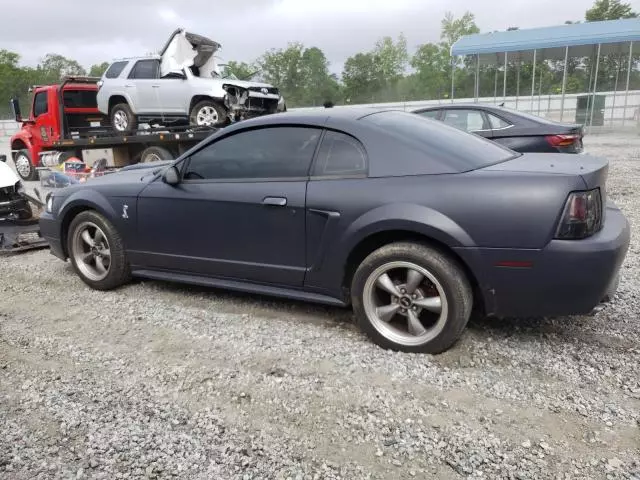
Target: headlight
x,y
49,206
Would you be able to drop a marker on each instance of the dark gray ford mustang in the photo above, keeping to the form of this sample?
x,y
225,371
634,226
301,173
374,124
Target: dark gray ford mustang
x,y
411,222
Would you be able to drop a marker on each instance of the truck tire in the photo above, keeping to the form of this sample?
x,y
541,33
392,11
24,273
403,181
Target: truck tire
x,y
155,154
24,166
208,113
123,120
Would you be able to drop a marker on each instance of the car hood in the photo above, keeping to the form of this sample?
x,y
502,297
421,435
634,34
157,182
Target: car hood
x,y
8,178
230,81
134,174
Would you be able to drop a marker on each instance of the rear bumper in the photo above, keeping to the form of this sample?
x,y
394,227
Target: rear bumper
x,y
564,278
50,230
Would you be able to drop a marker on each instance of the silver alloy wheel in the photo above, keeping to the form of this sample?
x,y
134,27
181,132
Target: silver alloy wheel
x,y
120,120
398,298
206,116
23,165
91,251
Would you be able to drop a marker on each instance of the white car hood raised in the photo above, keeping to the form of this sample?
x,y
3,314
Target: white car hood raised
x,y
186,49
8,178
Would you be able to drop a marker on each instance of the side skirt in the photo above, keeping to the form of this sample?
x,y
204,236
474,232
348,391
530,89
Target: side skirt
x,y
239,286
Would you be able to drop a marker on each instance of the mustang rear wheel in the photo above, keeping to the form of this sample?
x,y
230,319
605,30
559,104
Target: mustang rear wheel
x,y
97,252
412,298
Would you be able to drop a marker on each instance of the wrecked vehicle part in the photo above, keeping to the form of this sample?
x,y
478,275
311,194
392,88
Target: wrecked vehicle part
x,y
19,229
197,53
189,50
247,102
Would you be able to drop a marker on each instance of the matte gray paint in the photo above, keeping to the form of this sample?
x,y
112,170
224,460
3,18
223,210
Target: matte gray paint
x,y
220,233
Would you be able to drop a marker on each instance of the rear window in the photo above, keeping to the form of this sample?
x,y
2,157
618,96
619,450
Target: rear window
x,y
79,99
115,70
448,145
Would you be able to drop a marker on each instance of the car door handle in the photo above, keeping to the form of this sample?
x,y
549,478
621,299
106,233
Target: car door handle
x,y
128,85
275,201
155,86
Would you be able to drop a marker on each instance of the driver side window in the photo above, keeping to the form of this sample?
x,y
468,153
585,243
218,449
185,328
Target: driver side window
x,y
40,104
263,153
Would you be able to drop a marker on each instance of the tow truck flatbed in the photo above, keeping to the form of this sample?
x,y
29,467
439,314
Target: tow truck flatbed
x,y
142,137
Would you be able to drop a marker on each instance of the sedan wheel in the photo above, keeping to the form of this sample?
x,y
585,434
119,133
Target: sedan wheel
x,y
405,303
91,251
412,298
97,252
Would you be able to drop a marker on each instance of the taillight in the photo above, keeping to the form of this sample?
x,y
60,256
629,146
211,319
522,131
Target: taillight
x,y
582,215
562,140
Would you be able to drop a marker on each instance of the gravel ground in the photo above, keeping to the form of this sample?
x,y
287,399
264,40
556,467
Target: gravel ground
x,y
165,381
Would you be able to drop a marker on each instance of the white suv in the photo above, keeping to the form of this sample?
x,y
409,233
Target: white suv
x,y
183,83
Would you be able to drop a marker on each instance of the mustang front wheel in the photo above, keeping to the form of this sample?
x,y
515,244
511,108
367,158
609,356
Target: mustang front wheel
x,y
411,298
96,251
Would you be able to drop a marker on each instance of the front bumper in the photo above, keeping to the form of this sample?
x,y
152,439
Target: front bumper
x,y
50,231
567,277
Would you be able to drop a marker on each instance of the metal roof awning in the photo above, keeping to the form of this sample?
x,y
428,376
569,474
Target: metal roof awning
x,y
614,36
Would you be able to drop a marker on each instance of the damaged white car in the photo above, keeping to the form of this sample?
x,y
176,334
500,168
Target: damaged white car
x,y
18,213
183,83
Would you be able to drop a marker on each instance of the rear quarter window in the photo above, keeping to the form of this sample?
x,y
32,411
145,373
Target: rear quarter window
x,y
439,143
115,69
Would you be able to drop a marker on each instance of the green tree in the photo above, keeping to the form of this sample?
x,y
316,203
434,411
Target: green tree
x,y
609,10
360,78
302,74
53,67
241,70
431,63
98,69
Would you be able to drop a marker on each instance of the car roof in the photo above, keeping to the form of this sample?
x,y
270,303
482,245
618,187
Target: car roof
x,y
397,142
483,106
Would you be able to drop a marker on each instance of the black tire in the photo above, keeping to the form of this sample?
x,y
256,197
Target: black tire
x,y
24,166
221,112
131,119
119,272
151,154
448,273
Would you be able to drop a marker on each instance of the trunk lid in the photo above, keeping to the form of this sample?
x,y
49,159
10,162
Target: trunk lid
x,y
593,170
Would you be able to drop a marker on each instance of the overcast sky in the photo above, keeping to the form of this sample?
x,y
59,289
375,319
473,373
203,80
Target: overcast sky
x,y
96,31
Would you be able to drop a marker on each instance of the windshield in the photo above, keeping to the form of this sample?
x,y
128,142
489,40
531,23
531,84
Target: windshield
x,y
442,143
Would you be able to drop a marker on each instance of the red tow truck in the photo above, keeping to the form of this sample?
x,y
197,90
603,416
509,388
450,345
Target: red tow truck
x,y
65,122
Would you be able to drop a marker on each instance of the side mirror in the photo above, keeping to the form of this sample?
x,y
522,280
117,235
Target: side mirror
x,y
171,176
15,108
3,158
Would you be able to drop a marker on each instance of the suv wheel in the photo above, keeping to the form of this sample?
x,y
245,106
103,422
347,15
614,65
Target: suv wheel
x,y
411,298
122,119
97,252
208,113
